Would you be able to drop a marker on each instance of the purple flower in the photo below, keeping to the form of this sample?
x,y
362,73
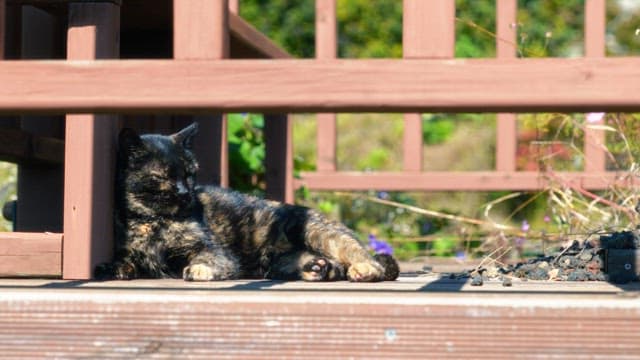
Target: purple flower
x,y
546,218
461,255
525,226
383,195
519,242
379,246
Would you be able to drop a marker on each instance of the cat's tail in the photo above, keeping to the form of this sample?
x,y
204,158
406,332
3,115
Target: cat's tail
x,y
390,265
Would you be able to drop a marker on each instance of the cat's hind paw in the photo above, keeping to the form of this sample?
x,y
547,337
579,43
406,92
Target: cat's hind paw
x,y
365,272
198,272
321,269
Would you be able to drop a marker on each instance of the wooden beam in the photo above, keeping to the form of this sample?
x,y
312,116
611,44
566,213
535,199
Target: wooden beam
x,y
30,254
23,147
88,188
201,32
594,35
454,181
506,48
478,85
245,33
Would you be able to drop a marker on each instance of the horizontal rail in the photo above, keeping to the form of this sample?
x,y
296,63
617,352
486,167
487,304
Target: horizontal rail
x,y
488,85
457,181
30,254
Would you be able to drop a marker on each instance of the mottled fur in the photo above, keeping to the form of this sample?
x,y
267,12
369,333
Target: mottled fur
x,y
166,226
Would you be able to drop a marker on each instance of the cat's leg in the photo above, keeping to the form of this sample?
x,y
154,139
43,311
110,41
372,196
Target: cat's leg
x,y
304,265
338,242
212,263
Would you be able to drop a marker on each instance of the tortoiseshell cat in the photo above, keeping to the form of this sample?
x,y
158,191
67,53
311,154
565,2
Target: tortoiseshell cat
x,y
167,227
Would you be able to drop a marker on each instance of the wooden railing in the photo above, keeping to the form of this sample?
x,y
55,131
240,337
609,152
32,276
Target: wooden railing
x,y
201,81
512,84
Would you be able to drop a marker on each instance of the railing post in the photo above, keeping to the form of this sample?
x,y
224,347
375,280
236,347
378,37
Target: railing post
x,y
326,49
428,32
594,35
89,148
506,129
201,31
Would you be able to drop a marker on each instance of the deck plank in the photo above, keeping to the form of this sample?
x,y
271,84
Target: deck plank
x,y
415,317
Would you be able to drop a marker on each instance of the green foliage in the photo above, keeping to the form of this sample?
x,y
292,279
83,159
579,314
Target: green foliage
x,y
369,28
623,24
246,152
437,129
550,28
475,28
289,23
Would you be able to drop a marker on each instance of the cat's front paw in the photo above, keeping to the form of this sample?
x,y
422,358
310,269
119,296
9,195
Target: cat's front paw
x,y
201,272
322,269
365,272
115,271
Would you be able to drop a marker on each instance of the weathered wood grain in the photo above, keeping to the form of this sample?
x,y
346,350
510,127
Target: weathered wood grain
x,y
30,254
229,320
609,84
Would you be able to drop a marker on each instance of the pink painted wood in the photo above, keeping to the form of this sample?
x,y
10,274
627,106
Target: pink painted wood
x,y
452,180
88,197
380,85
326,49
594,30
201,31
234,6
428,32
506,48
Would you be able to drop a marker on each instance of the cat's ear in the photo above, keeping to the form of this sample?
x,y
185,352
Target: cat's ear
x,y
185,136
128,139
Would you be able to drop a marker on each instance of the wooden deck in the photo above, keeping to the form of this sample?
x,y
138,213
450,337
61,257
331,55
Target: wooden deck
x,y
419,316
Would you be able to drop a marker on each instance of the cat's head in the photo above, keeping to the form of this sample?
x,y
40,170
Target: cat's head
x,y
157,173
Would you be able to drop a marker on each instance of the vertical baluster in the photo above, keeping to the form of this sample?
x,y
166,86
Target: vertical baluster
x,y
506,48
428,32
326,49
594,35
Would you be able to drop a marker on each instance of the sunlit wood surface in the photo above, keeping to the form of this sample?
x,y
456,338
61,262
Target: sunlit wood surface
x,y
420,316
